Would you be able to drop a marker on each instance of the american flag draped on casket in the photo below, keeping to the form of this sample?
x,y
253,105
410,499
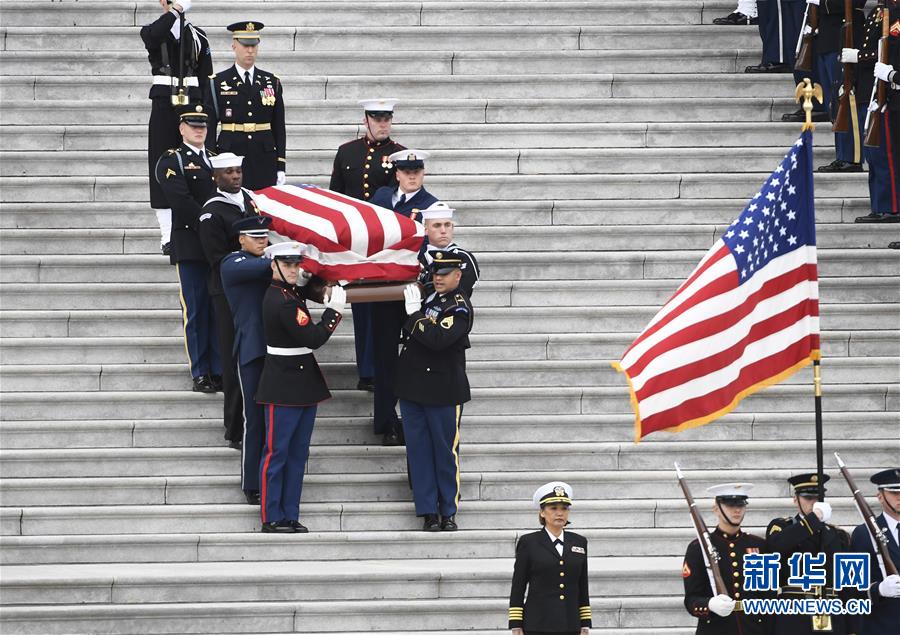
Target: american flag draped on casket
x,y
347,239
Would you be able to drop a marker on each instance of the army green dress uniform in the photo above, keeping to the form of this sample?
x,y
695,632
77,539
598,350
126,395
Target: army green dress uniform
x,y
251,115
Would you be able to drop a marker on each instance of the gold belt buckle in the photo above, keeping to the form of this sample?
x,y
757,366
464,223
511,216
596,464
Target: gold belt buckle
x,y
249,127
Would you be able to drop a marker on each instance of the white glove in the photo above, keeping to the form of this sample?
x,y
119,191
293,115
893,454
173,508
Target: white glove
x,y
815,2
337,299
807,30
280,178
873,106
413,298
849,56
823,511
721,605
184,4
883,71
890,587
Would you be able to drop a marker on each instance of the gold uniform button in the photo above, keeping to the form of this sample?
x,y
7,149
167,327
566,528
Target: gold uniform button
x,y
249,136
366,175
734,563
366,195
366,185
562,573
736,585
735,574
561,562
369,158
732,554
731,545
249,114
366,166
562,586
562,597
737,595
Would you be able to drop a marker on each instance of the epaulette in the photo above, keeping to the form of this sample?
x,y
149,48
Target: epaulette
x,y
171,151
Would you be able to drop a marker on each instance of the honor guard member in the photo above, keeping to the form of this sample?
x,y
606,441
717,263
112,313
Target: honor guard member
x,y
438,220
552,564
177,74
248,103
745,13
432,386
361,167
807,532
229,203
185,176
780,22
291,385
407,197
884,591
246,276
721,614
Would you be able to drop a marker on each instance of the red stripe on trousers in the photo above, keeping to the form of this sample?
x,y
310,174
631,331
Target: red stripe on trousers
x,y
890,157
270,434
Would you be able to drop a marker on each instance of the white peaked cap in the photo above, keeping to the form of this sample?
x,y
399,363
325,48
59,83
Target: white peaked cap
x,y
385,104
552,492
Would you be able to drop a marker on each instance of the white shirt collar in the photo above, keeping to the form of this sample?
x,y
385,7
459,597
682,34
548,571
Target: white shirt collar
x,y
240,71
408,195
199,151
562,535
891,525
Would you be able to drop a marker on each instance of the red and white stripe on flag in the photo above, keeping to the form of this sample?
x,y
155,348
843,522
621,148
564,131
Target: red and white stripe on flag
x,y
348,239
746,318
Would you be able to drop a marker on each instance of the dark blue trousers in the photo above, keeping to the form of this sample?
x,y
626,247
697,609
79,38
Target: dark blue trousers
x,y
780,22
362,338
387,322
254,424
288,433
881,191
432,444
198,319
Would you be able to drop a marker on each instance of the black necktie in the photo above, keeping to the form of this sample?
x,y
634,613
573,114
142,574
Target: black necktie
x,y
247,77
557,542
402,199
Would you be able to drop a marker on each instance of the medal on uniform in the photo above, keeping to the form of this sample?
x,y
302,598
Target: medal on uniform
x,y
386,162
228,112
267,95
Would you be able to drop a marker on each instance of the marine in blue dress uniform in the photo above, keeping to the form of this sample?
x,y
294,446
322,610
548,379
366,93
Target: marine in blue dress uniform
x,y
248,103
361,167
246,276
884,591
291,385
552,565
808,531
721,614
185,177
432,386
408,197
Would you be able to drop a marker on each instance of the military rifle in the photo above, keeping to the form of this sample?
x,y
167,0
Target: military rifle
x,y
879,539
710,554
804,50
879,91
845,108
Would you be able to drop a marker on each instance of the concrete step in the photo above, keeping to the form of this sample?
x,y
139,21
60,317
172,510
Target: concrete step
x,y
503,86
137,215
485,401
344,375
353,517
525,319
308,164
305,14
43,42
459,188
625,616
199,433
22,110
460,136
377,487
508,457
547,265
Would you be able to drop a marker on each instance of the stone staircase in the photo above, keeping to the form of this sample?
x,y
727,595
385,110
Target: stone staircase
x,y
608,142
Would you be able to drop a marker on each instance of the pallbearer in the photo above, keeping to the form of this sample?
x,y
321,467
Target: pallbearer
x,y
552,566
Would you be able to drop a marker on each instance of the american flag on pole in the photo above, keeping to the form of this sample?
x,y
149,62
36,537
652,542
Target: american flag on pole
x,y
348,239
746,318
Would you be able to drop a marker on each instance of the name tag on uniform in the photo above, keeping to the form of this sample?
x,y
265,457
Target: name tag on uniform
x,y
228,92
578,549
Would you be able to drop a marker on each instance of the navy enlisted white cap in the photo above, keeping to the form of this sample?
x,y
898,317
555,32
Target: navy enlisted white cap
x,y
290,251
437,210
409,159
226,160
887,479
379,107
731,493
552,492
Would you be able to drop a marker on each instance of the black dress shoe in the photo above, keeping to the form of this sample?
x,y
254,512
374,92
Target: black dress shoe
x,y
279,527
391,438
216,381
236,445
298,527
166,249
449,524
736,18
252,497
894,245
768,67
878,218
840,166
432,523
799,116
203,384
365,384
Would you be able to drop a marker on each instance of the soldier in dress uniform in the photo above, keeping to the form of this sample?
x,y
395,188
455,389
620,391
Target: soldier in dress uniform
x,y
407,197
361,167
438,220
720,614
248,103
807,531
175,79
432,386
552,564
230,202
291,385
246,276
884,591
185,176
745,13
780,22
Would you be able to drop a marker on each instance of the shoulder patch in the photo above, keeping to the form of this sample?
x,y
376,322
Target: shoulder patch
x,y
302,317
774,529
447,322
685,570
171,151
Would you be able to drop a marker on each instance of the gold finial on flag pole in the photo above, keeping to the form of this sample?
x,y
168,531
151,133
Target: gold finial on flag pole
x,y
805,93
